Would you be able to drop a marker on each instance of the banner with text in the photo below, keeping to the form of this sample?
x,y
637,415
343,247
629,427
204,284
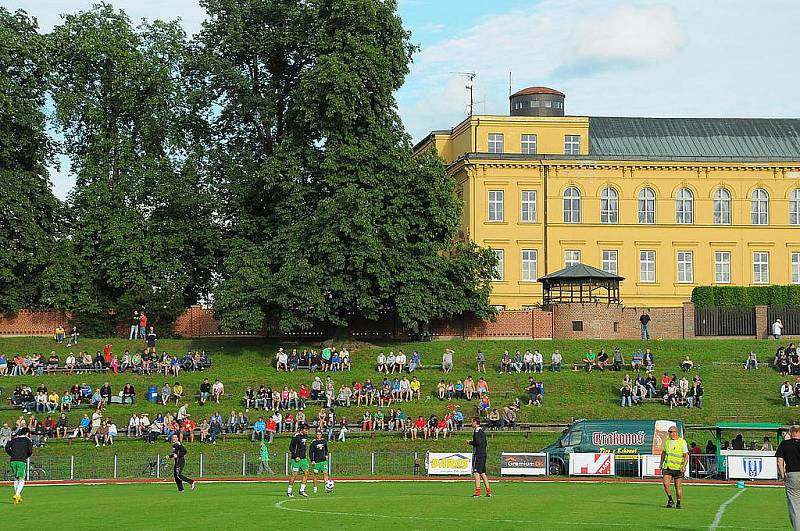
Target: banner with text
x,y
523,464
751,467
449,464
591,464
651,466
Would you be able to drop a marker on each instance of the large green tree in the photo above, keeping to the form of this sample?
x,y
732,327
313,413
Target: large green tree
x,y
329,217
28,209
141,231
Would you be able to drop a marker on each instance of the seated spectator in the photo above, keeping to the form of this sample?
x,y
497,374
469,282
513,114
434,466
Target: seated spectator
x,y
602,359
618,360
637,360
205,391
482,387
555,361
687,364
494,419
650,383
52,363
381,363
649,360
447,360
217,390
695,398
441,390
259,430
166,393
177,392
508,418
415,362
671,395
187,428
626,395
391,363
3,364
665,381
294,360
527,361
505,362
401,360
683,390
249,398
60,334
134,426
62,426
538,362
589,360
787,392
752,361
282,360
128,394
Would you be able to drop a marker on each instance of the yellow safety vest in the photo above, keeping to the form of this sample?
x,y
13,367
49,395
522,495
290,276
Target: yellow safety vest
x,y
674,450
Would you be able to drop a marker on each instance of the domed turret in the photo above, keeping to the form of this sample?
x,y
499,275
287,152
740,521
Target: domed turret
x,y
537,101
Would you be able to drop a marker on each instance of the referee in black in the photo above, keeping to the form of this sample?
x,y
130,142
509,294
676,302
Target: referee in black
x,y
788,454
179,455
478,444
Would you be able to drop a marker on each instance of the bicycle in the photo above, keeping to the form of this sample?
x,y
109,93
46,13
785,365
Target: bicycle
x,y
151,468
35,473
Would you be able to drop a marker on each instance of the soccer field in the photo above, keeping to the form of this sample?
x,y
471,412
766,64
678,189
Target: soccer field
x,y
395,505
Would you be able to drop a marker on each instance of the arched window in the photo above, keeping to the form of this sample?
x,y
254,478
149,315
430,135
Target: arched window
x,y
572,205
684,206
647,206
794,207
609,206
722,207
759,207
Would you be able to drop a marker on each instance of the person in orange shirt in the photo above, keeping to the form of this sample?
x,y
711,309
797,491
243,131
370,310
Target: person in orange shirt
x,y
188,429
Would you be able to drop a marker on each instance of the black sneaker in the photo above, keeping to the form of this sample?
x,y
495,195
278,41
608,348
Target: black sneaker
x,y
670,503
476,495
678,505
303,494
488,494
291,495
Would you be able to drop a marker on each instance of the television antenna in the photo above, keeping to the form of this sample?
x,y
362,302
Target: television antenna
x,y
470,87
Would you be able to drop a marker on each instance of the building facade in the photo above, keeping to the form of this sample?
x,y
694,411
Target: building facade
x,y
667,203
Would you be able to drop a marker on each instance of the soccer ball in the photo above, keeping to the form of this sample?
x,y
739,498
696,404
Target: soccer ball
x,y
329,485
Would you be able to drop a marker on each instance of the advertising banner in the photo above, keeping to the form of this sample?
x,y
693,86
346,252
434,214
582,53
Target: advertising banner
x,y
457,464
523,464
591,464
752,467
651,466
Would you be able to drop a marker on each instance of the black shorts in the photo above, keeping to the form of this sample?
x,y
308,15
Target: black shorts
x,y
674,473
479,464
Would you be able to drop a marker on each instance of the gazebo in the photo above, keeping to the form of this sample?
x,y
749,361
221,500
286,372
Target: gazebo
x,y
580,283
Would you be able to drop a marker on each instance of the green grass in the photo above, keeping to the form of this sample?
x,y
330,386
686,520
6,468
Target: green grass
x,y
396,506
731,392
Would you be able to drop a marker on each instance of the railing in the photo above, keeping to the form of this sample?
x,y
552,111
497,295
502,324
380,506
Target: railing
x,y
719,321
790,318
342,465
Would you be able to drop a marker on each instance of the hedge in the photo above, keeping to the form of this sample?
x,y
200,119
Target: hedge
x,y
746,297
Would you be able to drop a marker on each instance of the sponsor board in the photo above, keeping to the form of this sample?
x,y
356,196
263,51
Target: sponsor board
x,y
523,464
456,464
651,466
752,467
591,464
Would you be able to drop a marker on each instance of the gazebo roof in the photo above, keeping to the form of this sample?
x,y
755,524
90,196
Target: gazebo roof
x,y
580,272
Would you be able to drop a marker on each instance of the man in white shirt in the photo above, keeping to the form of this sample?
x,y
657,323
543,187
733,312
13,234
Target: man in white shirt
x,y
401,361
786,392
527,361
217,390
538,362
777,328
555,361
447,361
391,363
382,362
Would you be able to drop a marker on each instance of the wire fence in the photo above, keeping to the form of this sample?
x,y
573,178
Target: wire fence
x,y
246,465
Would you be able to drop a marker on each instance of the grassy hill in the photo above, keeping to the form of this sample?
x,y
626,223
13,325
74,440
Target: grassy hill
x,y
731,393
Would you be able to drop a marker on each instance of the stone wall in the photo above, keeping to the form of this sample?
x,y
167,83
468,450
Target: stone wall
x,y
614,321
33,323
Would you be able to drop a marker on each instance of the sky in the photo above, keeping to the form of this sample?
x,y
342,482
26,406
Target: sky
x,y
701,58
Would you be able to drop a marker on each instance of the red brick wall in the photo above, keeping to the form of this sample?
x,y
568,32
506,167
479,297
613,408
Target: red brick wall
x,y
613,321
33,323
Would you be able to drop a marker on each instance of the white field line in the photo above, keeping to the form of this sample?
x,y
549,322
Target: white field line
x,y
721,511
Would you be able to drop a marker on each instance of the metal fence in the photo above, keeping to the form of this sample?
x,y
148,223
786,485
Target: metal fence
x,y
790,318
233,465
718,321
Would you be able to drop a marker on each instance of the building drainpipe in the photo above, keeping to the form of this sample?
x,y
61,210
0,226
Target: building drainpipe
x,y
545,172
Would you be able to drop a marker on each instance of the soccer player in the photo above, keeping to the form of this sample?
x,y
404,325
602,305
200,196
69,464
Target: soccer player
x,y
20,448
318,454
297,449
179,455
478,443
674,459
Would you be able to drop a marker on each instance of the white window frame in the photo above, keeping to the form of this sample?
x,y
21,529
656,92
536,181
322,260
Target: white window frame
x,y
685,262
647,267
499,265
794,207
528,144
572,144
646,206
760,267
530,265
496,143
609,205
684,207
528,211
496,206
572,257
794,262
722,206
572,205
610,261
722,267
759,207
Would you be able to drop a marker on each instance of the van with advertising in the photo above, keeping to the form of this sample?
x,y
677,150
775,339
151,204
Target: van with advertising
x,y
626,439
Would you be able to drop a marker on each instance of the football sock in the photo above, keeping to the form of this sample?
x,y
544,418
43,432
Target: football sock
x,y
289,490
302,488
478,491
20,484
15,486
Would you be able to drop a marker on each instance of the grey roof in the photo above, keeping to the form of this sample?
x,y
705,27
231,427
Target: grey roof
x,y
581,271
723,138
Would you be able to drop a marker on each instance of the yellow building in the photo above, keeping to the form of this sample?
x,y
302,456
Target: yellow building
x,y
667,203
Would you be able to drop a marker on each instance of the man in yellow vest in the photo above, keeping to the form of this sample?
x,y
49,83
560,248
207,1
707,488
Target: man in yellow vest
x,y
674,459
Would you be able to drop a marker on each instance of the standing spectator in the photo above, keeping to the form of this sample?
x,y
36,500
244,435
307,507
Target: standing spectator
x,y
788,455
151,339
644,321
777,328
447,360
142,324
134,326
480,359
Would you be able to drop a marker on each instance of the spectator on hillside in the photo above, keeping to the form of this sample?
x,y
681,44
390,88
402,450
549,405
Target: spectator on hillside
x,y
205,391
517,362
527,361
534,392
650,383
217,390
391,363
73,336
52,363
797,391
294,360
538,362
639,391
589,360
134,326
259,430
105,394
649,360
480,362
177,392
508,418
60,334
62,427
626,395
787,392
752,361
602,359
782,362
151,338
494,419
505,363
447,360
134,426
695,398
777,329
69,364
249,398
555,361
637,360
618,360
380,363
671,395
128,394
415,362
644,321
683,389
687,364
665,381
401,361
281,360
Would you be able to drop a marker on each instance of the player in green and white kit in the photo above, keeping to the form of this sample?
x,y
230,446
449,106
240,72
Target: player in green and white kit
x,y
299,462
318,455
20,448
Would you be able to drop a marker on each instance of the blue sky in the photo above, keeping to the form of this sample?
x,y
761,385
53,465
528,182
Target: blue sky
x,y
611,58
